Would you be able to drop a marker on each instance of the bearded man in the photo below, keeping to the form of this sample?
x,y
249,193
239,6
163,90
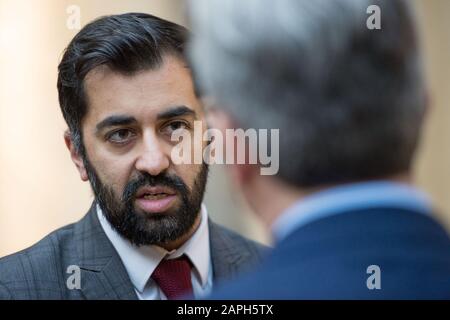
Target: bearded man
x,y
124,88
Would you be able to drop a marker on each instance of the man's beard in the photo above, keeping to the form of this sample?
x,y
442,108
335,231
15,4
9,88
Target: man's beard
x,y
156,228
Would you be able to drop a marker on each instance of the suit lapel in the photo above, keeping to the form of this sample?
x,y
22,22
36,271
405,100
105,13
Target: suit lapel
x,y
103,275
225,253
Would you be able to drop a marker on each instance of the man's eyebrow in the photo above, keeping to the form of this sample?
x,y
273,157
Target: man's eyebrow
x,y
116,120
176,112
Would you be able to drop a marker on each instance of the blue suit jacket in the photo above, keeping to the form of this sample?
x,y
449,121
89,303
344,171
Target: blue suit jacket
x,y
328,259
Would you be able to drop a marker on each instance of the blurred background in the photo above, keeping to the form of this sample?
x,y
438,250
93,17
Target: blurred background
x,y
40,189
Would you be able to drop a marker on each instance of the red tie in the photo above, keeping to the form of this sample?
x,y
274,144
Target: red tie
x,y
174,277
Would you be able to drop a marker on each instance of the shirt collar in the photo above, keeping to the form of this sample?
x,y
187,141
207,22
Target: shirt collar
x,y
140,262
344,198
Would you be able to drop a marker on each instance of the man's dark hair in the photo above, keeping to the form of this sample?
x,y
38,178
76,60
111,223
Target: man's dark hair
x,y
126,43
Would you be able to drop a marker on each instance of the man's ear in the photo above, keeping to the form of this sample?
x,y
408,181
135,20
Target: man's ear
x,y
429,105
241,174
245,174
76,158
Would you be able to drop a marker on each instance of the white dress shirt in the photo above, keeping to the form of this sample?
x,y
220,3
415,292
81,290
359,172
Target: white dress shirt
x,y
140,262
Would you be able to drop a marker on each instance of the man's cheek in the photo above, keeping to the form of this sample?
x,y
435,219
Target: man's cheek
x,y
112,182
188,174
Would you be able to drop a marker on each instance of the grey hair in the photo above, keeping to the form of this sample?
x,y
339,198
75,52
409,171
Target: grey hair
x,y
348,101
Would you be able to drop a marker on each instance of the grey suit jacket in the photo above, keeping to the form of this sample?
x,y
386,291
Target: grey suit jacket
x,y
41,271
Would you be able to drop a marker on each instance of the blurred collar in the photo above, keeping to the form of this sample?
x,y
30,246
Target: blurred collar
x,y
350,197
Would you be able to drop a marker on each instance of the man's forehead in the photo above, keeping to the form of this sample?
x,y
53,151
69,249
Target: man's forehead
x,y
146,93
171,68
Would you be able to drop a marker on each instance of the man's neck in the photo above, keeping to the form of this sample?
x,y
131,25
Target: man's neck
x,y
271,198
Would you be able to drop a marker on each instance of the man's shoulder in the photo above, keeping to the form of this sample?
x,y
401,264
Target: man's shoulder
x,y
233,253
39,267
41,253
328,259
226,235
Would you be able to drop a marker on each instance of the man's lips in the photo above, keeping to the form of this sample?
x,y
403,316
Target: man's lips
x,y
155,199
151,191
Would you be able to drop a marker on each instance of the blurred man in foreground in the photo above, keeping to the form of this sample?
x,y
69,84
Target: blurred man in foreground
x,y
349,101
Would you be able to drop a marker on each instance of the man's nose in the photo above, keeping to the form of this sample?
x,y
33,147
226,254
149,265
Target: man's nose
x,y
152,158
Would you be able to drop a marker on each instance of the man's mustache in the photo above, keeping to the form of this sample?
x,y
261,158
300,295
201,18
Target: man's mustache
x,y
146,180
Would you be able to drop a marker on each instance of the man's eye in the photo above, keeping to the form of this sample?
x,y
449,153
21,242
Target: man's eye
x,y
175,125
120,136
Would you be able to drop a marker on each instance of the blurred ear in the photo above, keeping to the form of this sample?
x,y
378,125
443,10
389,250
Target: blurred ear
x,y
218,119
76,158
241,174
428,104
